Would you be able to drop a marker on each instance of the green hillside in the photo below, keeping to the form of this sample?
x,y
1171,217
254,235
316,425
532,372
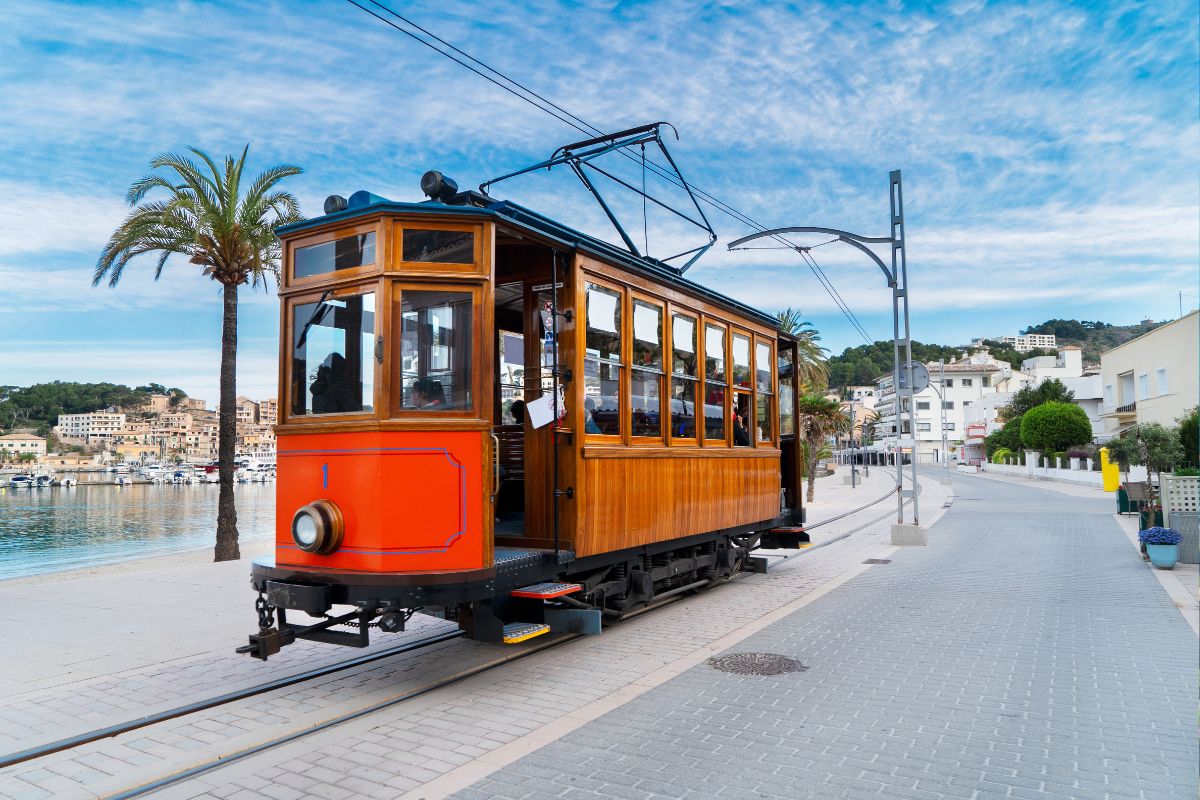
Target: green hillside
x,y
862,365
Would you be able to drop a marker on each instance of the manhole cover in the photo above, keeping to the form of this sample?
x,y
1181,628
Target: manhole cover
x,y
756,664
878,561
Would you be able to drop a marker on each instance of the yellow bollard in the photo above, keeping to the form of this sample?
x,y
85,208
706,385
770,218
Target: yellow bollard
x,y
1110,471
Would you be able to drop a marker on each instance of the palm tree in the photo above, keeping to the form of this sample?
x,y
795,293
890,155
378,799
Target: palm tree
x,y
818,418
231,236
812,370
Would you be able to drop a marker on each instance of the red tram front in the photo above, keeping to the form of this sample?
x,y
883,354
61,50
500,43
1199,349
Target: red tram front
x,y
652,447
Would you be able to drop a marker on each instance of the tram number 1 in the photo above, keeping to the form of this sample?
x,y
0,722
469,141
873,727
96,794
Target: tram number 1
x,y
324,476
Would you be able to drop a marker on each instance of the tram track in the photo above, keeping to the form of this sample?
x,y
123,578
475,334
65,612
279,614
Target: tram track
x,y
208,766
109,731
223,760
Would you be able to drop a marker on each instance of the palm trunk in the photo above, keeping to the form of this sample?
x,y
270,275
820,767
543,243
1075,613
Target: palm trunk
x,y
812,480
227,533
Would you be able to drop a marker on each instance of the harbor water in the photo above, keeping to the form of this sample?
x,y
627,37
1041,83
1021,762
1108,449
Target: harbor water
x,y
55,529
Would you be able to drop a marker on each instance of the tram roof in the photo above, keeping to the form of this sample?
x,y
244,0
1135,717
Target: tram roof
x,y
512,214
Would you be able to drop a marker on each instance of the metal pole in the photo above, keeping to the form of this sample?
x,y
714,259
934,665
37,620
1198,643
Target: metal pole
x,y
899,259
942,399
897,425
853,473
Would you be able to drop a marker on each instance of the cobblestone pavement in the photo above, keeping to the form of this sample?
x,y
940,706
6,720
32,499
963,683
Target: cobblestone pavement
x,y
1027,653
465,727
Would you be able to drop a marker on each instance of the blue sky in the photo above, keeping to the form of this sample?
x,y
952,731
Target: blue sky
x,y
1050,150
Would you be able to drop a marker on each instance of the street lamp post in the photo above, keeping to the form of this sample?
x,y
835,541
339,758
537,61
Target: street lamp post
x,y
897,281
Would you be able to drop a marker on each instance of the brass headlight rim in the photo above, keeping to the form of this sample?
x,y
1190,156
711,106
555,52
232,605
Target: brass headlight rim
x,y
331,527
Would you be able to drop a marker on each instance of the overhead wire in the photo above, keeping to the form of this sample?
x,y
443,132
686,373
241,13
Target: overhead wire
x,y
548,106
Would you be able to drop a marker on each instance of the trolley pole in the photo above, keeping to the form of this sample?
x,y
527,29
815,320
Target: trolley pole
x,y
897,281
853,470
945,445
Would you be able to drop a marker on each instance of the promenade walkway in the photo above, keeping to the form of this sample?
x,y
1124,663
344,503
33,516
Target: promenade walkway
x,y
1026,653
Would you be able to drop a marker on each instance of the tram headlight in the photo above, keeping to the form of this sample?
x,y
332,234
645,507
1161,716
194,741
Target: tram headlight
x,y
318,527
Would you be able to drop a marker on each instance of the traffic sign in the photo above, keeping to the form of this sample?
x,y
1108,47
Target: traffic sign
x,y
920,376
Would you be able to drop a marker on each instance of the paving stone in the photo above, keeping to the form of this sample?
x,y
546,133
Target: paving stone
x,y
1012,658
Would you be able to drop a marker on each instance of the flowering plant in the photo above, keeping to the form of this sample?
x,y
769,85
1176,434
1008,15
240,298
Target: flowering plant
x,y
1158,535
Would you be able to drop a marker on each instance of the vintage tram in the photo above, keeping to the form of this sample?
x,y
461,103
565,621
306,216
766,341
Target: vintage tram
x,y
490,416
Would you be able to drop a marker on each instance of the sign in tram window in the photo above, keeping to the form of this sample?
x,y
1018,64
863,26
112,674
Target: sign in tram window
x,y
333,356
436,328
439,247
345,253
602,362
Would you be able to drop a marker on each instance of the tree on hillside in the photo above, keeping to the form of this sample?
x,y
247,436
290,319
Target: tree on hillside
x,y
230,234
817,419
1053,427
812,370
1051,391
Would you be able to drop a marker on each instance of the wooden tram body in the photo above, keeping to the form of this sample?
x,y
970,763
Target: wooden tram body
x,y
407,329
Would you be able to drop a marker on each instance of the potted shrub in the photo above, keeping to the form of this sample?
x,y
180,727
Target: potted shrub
x,y
1161,545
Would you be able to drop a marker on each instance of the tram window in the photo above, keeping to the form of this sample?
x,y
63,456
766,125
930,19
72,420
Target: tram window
x,y
512,374
763,418
762,366
683,408
435,350
787,403
741,419
714,354
601,397
683,380
345,253
715,379
647,376
602,362
439,247
333,348
741,361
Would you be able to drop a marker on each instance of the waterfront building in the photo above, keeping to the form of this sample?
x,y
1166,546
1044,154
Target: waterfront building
x,y
96,427
247,411
1153,378
268,412
18,444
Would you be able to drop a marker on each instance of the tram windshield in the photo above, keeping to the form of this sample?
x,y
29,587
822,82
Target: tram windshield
x,y
332,355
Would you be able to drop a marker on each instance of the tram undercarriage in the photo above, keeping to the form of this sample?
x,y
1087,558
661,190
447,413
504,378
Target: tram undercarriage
x,y
531,591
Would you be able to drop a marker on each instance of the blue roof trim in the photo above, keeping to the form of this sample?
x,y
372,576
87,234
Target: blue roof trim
x,y
511,213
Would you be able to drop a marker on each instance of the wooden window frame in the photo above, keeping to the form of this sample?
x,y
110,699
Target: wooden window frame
x,y
623,389
696,380
395,290
289,304
339,277
397,263
727,414
663,428
772,382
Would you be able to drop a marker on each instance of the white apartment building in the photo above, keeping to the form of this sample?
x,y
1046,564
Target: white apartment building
x,y
1030,341
967,382
1068,363
18,444
1153,378
98,426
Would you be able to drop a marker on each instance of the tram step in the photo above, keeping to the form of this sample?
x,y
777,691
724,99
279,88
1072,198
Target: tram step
x,y
515,632
546,591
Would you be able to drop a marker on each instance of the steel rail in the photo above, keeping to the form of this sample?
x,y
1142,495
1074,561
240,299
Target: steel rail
x,y
212,702
208,766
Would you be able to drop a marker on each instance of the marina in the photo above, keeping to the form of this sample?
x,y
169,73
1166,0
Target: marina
x,y
55,529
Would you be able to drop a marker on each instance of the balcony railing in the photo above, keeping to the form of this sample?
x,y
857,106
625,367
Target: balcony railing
x,y
1128,408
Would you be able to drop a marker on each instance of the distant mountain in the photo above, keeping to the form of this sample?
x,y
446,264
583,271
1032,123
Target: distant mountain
x,y
862,365
1094,337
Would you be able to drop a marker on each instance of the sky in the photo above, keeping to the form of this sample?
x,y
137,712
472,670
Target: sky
x,y
1049,151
